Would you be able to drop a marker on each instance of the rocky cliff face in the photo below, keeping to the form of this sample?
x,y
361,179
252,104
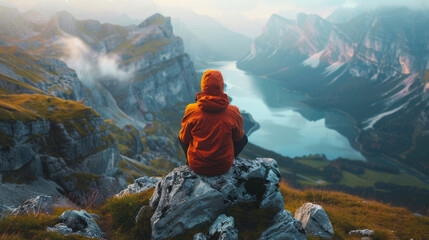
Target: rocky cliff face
x,y
125,72
374,67
128,75
64,141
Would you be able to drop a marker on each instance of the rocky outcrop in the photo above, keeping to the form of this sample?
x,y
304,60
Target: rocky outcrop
x,y
39,204
78,222
139,185
64,141
224,227
284,227
183,200
314,220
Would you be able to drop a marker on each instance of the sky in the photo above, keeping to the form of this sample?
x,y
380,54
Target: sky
x,y
252,9
231,13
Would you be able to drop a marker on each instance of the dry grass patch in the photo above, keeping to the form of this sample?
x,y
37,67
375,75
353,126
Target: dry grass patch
x,y
348,212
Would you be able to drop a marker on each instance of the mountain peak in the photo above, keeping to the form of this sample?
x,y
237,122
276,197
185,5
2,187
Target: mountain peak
x,y
155,19
164,23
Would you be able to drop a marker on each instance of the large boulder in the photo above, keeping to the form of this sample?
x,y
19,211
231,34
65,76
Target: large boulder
x,y
39,204
139,185
314,220
78,222
284,227
183,199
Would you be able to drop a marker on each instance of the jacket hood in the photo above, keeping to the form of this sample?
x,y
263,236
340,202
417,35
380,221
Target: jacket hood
x,y
209,103
212,83
212,98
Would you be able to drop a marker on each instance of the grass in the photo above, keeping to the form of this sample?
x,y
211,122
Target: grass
x,y
30,107
313,161
137,169
33,227
348,212
370,177
119,216
19,86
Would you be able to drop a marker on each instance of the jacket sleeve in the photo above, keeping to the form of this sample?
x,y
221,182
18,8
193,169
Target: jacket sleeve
x,y
237,131
185,133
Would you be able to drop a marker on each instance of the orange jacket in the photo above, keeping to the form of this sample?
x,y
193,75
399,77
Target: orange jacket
x,y
210,126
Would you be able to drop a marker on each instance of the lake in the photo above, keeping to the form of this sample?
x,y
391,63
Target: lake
x,y
287,126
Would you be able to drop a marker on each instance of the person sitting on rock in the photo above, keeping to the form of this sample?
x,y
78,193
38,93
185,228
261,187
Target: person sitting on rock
x,y
212,130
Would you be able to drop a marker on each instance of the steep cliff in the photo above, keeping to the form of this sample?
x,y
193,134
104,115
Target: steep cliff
x,y
61,140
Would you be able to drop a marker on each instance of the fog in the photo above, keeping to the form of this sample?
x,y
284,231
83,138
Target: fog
x,y
90,65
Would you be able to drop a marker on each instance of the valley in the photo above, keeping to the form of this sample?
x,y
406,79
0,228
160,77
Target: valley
x,y
87,107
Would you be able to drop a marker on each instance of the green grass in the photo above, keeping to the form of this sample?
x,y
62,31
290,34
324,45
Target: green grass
x,y
370,177
137,169
313,163
119,216
33,227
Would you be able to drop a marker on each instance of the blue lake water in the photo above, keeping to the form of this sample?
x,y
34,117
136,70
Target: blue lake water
x,y
287,126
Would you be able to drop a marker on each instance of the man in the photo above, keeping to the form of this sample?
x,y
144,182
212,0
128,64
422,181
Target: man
x,y
212,130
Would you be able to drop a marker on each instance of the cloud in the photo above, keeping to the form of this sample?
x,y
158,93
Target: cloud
x,y
90,65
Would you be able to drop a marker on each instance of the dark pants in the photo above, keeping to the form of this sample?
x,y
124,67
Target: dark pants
x,y
238,147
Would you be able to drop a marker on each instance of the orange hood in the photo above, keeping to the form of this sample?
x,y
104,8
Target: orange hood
x,y
212,98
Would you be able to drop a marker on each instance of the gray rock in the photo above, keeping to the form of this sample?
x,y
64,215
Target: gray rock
x,y
139,185
157,143
364,232
39,204
284,227
225,227
183,199
199,236
314,220
78,222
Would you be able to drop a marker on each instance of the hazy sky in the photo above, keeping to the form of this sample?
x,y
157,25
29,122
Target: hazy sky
x,y
243,16
252,9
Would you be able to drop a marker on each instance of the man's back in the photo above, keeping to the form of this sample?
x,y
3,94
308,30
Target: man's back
x,y
210,127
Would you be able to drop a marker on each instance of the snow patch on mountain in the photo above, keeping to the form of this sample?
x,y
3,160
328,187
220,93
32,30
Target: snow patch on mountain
x,y
333,68
314,60
372,121
404,92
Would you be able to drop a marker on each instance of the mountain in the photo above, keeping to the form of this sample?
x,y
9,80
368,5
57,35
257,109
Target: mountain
x,y
373,67
103,55
220,42
84,104
344,14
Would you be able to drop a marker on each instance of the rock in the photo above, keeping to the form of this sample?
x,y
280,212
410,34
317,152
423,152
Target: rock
x,y
183,199
78,222
284,227
224,227
157,143
139,185
364,232
39,204
199,236
314,220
